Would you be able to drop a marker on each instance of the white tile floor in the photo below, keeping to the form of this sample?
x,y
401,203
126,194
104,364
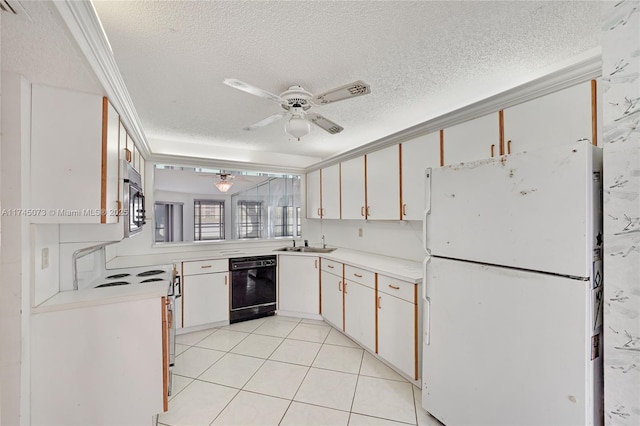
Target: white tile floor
x,y
285,371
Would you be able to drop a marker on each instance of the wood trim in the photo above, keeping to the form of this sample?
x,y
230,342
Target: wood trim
x,y
182,292
594,112
320,212
415,332
400,178
104,162
441,147
375,301
165,355
340,188
344,283
366,201
319,285
501,130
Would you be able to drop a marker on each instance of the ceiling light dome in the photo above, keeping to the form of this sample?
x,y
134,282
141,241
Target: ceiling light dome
x,y
297,127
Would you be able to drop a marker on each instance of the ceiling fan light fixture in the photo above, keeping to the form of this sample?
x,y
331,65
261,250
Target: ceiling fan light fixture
x,y
224,185
297,127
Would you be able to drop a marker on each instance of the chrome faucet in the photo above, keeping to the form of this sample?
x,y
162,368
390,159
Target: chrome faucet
x,y
324,245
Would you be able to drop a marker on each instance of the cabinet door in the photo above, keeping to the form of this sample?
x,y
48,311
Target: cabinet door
x,y
66,136
352,184
205,298
360,313
417,155
332,299
298,284
331,192
396,333
558,118
472,140
110,163
313,195
383,184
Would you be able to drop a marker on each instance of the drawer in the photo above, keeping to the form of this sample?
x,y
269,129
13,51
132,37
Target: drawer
x,y
205,266
360,275
401,289
331,266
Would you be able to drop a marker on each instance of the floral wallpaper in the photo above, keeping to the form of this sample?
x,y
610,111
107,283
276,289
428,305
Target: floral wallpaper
x,y
621,137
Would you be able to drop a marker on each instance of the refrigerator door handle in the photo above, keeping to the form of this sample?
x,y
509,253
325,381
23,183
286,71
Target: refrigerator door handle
x,y
427,206
426,313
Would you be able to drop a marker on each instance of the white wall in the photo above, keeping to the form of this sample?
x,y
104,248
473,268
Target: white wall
x,y
401,239
46,272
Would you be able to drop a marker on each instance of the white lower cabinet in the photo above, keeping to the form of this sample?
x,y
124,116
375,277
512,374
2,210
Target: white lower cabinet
x,y
298,284
397,334
205,296
331,300
360,313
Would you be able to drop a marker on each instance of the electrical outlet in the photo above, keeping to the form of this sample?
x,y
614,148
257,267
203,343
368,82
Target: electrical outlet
x,y
45,258
359,232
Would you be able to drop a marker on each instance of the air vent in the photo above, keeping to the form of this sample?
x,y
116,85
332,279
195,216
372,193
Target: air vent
x,y
334,129
358,89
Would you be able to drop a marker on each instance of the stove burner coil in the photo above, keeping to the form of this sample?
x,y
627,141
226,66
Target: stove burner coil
x,y
151,280
151,272
114,276
113,284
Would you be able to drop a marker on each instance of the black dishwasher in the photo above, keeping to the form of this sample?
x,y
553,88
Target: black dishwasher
x,y
253,287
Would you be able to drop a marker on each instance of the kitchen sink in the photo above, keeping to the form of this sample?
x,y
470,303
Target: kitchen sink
x,y
307,249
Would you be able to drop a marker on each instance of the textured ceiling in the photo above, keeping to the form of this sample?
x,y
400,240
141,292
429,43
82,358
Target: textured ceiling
x,y
422,59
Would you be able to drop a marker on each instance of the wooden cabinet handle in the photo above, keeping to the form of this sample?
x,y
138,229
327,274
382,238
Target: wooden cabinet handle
x,y
357,275
319,212
345,287
508,147
395,287
225,279
316,264
379,302
493,146
330,266
340,286
404,210
205,266
368,211
362,211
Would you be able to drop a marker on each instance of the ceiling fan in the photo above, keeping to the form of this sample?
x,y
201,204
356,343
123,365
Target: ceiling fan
x,y
223,180
296,102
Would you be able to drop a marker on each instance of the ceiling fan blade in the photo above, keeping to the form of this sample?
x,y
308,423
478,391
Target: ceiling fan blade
x,y
241,85
324,124
351,90
272,118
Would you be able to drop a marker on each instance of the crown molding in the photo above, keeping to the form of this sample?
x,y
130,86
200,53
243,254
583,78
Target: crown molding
x,y
584,69
86,29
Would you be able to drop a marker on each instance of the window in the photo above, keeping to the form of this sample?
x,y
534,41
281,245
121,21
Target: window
x,y
168,222
286,222
249,219
208,220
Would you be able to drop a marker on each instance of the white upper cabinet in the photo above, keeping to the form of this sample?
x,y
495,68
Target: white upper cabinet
x,y
353,189
314,203
472,140
331,192
383,184
110,164
562,117
417,155
68,179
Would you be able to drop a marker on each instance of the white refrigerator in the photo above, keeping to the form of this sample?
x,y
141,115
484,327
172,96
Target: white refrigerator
x,y
513,290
